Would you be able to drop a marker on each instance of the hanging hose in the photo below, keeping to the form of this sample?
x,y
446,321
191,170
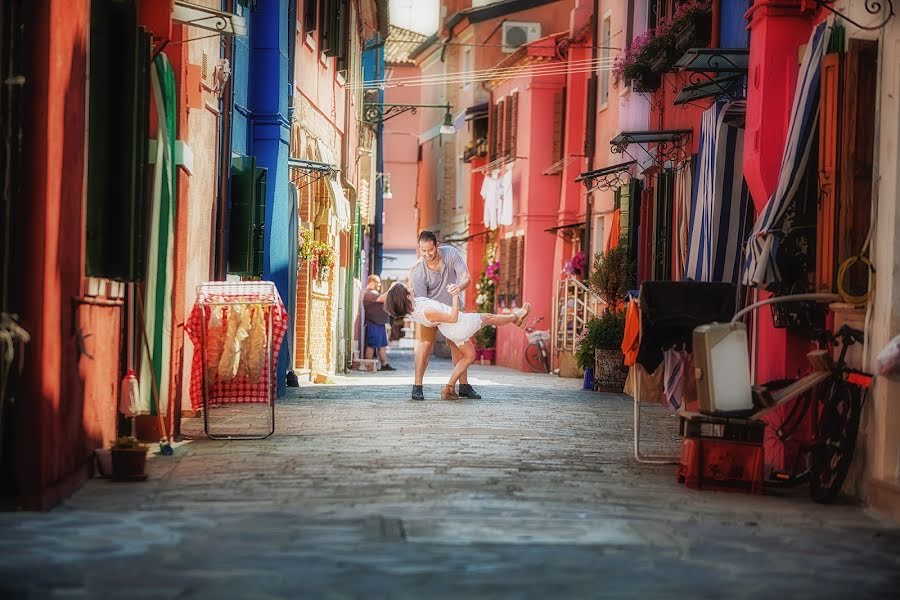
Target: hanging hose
x,y
821,297
855,300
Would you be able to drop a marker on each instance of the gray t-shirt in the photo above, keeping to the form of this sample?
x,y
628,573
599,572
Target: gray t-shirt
x,y
433,284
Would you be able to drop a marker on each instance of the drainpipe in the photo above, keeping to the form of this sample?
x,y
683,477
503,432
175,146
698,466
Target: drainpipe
x,y
226,106
590,142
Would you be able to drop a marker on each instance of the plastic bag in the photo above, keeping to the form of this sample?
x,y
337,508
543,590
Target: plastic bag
x,y
887,363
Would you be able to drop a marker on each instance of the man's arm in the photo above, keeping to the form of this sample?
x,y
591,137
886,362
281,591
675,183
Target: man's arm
x,y
463,279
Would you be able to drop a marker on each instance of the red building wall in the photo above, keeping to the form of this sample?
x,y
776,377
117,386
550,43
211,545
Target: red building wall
x,y
68,398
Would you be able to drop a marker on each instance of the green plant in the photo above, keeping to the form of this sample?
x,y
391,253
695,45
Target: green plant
x,y
612,276
319,254
486,337
127,442
605,332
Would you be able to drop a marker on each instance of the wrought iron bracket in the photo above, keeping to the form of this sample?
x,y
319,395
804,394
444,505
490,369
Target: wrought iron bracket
x,y
608,178
374,113
873,7
663,147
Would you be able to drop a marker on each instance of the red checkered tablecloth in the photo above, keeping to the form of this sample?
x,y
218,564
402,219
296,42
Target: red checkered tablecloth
x,y
239,390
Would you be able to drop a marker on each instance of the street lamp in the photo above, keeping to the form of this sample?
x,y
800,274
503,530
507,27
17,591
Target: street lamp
x,y
447,128
374,113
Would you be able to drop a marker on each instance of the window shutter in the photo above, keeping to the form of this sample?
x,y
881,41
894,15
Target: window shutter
x,y
513,124
336,18
558,103
503,290
623,201
502,137
507,126
246,218
119,108
857,154
829,144
494,132
520,268
309,16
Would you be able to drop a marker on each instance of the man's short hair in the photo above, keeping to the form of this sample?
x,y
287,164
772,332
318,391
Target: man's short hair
x,y
373,278
427,236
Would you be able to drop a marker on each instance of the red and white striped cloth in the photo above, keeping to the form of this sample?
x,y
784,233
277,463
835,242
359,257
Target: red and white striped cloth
x,y
239,390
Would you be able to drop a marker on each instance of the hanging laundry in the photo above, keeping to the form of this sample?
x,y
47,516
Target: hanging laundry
x,y
235,334
490,189
631,342
215,341
505,212
256,345
675,366
651,383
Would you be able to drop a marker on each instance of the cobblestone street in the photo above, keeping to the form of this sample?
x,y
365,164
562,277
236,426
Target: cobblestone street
x,y
361,493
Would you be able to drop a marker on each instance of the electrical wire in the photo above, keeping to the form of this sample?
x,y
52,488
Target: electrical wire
x,y
855,300
464,78
586,65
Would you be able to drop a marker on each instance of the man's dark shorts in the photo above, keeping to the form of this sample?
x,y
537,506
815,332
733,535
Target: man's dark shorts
x,y
376,336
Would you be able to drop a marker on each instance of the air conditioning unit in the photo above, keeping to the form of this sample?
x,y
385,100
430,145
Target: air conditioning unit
x,y
722,368
516,33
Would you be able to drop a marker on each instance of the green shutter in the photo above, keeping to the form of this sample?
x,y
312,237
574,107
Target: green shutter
x,y
119,108
246,225
623,202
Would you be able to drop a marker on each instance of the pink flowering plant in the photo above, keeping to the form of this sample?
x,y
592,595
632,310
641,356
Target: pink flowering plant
x,y
576,265
493,271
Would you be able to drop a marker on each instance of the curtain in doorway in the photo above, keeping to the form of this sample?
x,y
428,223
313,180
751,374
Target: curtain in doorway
x,y
719,219
157,294
760,265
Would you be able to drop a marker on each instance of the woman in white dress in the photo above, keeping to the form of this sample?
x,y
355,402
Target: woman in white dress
x,y
455,325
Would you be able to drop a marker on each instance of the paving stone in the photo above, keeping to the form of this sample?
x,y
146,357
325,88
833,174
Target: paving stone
x,y
531,492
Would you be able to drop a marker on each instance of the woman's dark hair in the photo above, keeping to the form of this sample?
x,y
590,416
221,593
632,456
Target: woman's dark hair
x,y
398,303
427,236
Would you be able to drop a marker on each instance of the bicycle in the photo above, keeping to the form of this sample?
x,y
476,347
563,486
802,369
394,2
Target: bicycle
x,y
536,354
836,423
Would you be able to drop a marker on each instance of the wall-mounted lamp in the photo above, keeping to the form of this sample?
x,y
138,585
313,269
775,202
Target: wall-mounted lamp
x,y
374,113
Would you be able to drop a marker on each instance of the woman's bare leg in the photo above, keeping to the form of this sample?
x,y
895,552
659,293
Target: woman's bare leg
x,y
467,350
498,320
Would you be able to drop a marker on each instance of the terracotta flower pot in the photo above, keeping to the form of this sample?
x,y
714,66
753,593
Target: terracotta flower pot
x,y
609,375
128,464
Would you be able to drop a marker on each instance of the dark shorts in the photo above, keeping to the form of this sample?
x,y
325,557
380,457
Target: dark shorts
x,y
376,336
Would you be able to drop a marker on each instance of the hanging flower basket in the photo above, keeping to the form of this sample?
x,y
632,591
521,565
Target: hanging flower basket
x,y
691,25
646,82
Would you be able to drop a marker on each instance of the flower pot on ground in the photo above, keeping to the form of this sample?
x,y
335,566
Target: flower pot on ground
x,y
489,354
603,335
129,459
609,375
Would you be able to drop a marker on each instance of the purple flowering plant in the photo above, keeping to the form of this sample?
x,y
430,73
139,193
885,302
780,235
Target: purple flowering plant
x,y
576,264
493,271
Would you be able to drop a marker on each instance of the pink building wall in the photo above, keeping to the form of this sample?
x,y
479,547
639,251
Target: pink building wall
x,y
535,208
401,150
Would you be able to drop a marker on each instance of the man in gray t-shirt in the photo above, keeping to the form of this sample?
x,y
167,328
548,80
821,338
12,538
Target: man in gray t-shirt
x,y
438,273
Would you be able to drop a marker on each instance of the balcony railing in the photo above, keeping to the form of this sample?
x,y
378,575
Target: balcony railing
x,y
575,305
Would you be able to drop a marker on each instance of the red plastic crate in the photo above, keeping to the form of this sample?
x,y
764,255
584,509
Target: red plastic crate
x,y
713,464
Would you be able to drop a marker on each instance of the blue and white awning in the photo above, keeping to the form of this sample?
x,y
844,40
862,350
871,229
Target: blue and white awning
x,y
760,268
719,222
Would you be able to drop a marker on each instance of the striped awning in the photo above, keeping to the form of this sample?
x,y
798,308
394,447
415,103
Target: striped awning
x,y
719,219
760,265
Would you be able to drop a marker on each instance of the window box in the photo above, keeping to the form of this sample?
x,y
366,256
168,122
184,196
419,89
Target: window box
x,y
693,31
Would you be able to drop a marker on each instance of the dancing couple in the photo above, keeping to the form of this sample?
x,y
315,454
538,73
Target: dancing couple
x,y
431,299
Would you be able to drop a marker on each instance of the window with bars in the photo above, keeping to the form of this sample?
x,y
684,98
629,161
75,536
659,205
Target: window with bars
x,y
511,254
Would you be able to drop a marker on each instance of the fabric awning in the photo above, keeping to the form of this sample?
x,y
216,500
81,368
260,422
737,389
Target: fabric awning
x,y
219,21
719,220
340,206
760,268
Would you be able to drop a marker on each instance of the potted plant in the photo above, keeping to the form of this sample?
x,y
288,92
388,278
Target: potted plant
x,y
129,459
575,266
485,340
599,349
612,277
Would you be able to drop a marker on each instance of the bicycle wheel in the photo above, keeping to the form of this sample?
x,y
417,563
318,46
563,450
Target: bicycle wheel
x,y
832,451
534,359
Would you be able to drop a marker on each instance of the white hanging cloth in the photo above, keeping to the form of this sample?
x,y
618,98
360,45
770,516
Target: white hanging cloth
x,y
505,208
490,189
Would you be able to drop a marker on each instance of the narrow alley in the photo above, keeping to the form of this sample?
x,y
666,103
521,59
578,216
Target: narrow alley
x,y
361,493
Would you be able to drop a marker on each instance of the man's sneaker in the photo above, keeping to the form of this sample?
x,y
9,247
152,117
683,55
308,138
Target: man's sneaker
x,y
467,391
417,393
388,367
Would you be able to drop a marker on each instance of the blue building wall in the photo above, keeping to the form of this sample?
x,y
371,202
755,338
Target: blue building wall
x,y
373,68
733,26
261,128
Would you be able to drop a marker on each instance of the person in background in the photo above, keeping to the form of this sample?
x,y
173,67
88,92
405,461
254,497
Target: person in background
x,y
376,319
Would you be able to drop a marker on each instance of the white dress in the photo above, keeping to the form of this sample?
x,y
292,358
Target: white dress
x,y
465,327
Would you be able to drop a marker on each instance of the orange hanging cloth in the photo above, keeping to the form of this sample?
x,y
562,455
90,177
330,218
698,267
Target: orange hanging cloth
x,y
614,234
631,343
